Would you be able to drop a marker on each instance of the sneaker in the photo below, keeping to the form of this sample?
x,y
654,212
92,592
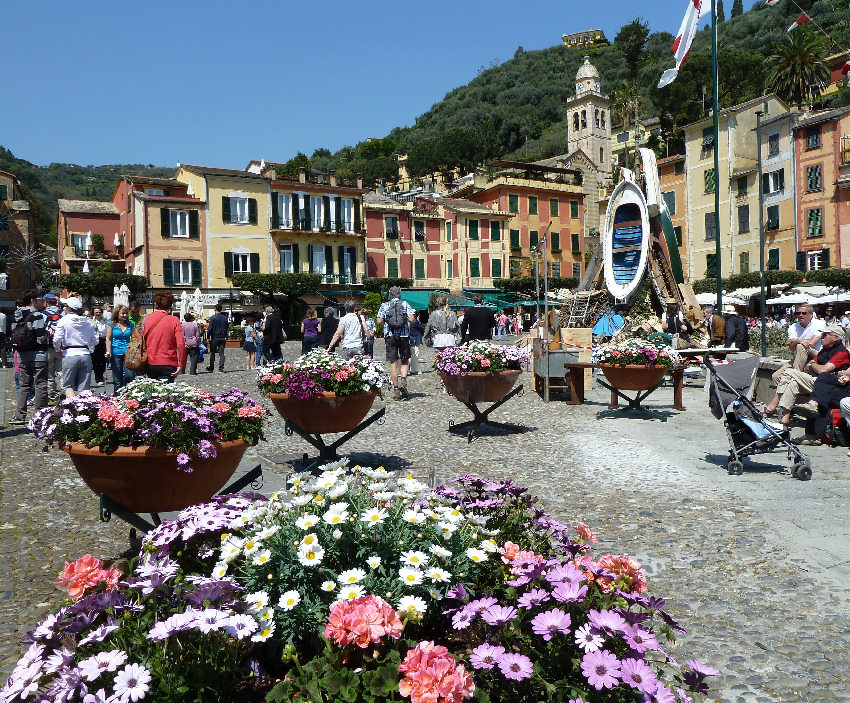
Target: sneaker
x,y
16,421
396,393
402,387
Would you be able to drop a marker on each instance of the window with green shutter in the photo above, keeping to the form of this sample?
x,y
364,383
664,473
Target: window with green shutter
x,y
710,265
553,207
167,272
708,138
496,268
574,209
474,268
473,229
575,242
772,217
708,178
773,259
670,200
532,238
813,137
532,204
513,203
419,269
555,237
495,230
577,270
4,192
815,222
710,226
392,268
813,178
515,239
742,185
448,231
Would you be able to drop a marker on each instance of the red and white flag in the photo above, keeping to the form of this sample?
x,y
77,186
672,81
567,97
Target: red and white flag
x,y
772,2
845,69
685,37
802,19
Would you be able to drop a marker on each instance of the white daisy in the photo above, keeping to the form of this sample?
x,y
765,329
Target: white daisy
x,y
374,516
302,500
289,600
337,534
230,552
446,528
434,593
311,556
318,499
325,481
435,573
266,630
351,576
488,545
262,557
413,516
335,517
220,570
311,539
251,546
307,522
414,558
439,551
476,555
337,490
384,496
409,576
267,532
374,562
412,605
351,591
265,614
328,586
257,601
378,486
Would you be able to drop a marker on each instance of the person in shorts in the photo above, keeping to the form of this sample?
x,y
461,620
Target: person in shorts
x,y
396,315
352,331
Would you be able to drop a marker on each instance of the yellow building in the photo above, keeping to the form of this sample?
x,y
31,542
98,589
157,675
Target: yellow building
x,y
672,178
738,159
237,217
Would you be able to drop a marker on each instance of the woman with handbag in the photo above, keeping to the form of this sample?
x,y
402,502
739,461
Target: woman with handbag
x,y
117,338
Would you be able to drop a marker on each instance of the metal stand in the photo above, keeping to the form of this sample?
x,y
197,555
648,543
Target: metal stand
x,y
481,418
109,507
633,403
327,452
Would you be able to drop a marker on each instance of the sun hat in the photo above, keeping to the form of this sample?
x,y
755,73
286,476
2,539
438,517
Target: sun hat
x,y
729,310
835,329
49,296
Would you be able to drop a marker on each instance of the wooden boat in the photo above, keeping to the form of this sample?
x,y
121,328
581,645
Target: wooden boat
x,y
626,240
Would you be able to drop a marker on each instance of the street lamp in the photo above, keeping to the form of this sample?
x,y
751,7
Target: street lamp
x,y
759,113
535,252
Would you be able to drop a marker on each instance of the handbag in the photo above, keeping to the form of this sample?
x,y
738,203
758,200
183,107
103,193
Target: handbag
x,y
136,358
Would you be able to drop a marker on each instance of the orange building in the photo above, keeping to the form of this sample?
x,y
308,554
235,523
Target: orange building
x,y
673,179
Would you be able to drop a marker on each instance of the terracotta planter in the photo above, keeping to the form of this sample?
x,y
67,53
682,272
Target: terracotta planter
x,y
233,344
482,387
326,413
633,377
147,480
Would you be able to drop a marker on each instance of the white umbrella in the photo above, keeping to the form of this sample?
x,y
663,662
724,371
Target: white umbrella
x,y
122,295
197,303
88,240
184,304
793,299
117,240
86,266
711,299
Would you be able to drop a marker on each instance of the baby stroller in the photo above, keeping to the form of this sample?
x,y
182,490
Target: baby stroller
x,y
748,430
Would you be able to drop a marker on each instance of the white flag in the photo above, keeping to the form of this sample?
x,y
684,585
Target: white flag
x,y
685,37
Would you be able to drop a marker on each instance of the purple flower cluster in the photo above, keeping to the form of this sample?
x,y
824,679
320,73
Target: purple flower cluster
x,y
480,356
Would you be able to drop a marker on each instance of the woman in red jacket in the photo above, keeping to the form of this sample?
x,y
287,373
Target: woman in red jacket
x,y
164,339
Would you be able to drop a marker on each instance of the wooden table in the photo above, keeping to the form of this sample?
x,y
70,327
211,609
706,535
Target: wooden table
x,y
577,385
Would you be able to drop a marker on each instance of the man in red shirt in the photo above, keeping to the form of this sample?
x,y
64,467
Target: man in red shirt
x,y
164,340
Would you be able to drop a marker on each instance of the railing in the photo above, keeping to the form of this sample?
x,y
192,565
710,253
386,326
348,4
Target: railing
x,y
304,224
90,253
391,234
340,278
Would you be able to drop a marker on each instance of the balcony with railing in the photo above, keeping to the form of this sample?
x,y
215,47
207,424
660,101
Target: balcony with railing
x,y
306,224
340,279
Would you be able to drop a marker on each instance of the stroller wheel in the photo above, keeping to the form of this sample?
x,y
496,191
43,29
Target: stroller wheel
x,y
802,470
735,468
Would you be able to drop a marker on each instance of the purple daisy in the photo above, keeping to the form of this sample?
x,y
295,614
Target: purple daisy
x,y
699,668
589,638
463,619
683,697
564,573
550,623
607,620
639,639
569,592
515,666
601,669
481,604
661,694
638,675
498,615
486,656
534,597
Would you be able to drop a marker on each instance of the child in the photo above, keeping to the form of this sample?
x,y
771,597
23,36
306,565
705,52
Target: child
x,y
249,346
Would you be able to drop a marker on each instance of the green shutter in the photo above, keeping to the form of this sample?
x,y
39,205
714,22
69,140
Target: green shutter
x,y
773,260
496,268
678,232
326,213
574,209
392,268
556,241
474,268
575,242
296,263
254,263
515,239
340,251
352,252
473,229
553,207
165,222
167,273
532,238
495,230
228,264
356,204
196,272
329,260
710,265
194,225
275,211
252,211
225,209
708,180
532,204
293,204
338,206
307,223
4,192
513,203
815,226
419,268
824,258
801,261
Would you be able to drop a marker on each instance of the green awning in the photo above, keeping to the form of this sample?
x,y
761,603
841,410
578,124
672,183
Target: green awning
x,y
417,299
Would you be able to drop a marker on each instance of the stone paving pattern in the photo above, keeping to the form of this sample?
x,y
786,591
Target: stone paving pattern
x,y
755,567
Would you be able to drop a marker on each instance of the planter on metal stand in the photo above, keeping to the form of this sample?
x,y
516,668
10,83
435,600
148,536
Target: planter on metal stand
x,y
480,387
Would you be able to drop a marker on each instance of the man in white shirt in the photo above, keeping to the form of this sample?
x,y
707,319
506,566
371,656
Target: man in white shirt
x,y
803,339
75,338
353,333
845,320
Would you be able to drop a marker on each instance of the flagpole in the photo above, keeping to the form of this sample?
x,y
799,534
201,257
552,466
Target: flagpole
x,y
716,111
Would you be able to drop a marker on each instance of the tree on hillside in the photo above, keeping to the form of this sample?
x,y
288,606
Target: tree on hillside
x,y
721,14
799,74
631,43
290,168
737,8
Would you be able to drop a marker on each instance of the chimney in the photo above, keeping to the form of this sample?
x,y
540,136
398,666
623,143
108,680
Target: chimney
x,y
302,175
359,180
333,178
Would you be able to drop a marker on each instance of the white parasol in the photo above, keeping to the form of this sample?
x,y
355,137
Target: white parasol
x,y
86,266
117,240
122,296
197,303
184,304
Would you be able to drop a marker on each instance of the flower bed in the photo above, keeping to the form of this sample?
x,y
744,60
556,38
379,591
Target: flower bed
x,y
175,416
322,372
637,352
480,357
356,586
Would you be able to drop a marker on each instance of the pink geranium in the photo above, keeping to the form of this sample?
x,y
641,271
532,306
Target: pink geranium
x,y
362,621
432,675
630,577
85,573
123,421
107,413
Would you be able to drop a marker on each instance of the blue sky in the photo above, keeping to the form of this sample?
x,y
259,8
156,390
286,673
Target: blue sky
x,y
221,83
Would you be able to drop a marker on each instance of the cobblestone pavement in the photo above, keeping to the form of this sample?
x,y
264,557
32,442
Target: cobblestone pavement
x,y
755,567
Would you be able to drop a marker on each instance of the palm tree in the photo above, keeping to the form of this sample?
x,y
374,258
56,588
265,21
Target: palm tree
x,y
798,74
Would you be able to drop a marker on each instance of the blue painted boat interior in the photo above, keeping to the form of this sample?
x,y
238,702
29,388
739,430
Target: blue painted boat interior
x,y
625,266
629,234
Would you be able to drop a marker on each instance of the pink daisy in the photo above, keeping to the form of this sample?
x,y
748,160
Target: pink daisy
x,y
601,669
515,666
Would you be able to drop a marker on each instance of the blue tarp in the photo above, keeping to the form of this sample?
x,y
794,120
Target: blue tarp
x,y
607,325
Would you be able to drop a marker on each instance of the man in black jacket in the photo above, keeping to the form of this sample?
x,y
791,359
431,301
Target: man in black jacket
x,y
272,335
478,321
327,329
217,333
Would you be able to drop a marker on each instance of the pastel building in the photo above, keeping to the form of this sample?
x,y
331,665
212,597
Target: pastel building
x,y
673,179
17,231
86,233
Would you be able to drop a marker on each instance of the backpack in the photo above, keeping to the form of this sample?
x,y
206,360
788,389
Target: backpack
x,y
396,318
742,335
23,337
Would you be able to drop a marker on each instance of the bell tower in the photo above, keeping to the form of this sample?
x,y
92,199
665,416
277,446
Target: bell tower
x,y
589,119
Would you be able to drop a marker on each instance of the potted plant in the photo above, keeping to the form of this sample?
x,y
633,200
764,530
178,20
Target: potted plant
x,y
358,586
635,364
322,392
483,371
235,337
154,447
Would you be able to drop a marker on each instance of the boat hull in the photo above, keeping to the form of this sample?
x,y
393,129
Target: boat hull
x,y
626,241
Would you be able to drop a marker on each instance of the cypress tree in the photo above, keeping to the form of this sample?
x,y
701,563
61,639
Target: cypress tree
x,y
737,8
721,15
